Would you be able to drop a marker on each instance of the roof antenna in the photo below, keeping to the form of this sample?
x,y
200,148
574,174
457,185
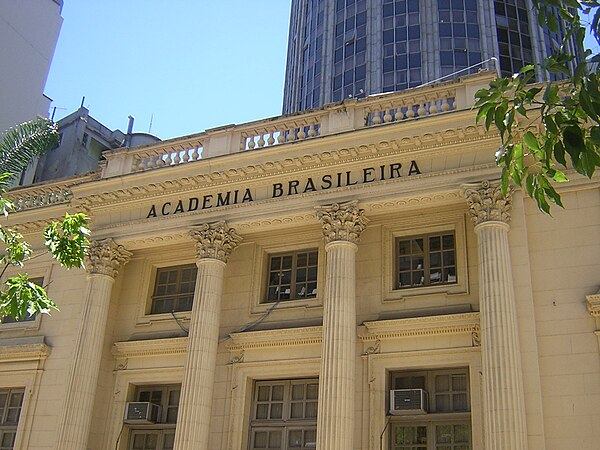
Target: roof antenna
x,y
82,100
150,126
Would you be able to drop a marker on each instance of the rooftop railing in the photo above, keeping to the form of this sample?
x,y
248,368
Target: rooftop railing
x,y
349,115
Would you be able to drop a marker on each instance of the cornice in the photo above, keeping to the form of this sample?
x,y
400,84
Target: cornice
x,y
421,326
427,144
150,348
285,337
24,352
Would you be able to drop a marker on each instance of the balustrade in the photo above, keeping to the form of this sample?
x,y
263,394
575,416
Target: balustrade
x,y
404,108
157,157
278,134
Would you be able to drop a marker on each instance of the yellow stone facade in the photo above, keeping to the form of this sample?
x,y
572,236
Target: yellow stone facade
x,y
503,336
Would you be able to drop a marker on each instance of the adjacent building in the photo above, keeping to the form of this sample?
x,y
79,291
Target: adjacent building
x,y
28,33
82,141
341,49
351,277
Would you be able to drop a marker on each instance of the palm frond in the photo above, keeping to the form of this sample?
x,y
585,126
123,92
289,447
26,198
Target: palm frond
x,y
21,144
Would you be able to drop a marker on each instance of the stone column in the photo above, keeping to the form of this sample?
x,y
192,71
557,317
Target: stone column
x,y
503,398
342,226
102,264
214,244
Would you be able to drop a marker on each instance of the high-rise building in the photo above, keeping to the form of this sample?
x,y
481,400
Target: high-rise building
x,y
28,35
351,48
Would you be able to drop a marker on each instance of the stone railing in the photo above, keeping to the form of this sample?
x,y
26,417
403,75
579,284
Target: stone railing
x,y
156,157
411,106
349,115
40,197
281,131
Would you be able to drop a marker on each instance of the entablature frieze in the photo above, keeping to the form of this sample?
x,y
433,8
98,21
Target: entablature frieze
x,y
150,348
284,337
448,324
24,349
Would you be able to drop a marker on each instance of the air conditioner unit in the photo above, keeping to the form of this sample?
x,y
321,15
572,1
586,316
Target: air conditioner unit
x,y
408,401
142,412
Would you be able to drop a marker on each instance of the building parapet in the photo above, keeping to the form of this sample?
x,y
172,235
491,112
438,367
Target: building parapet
x,y
349,115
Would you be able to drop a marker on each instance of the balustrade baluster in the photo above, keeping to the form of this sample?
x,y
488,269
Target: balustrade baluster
x,y
271,139
433,108
186,155
312,130
251,143
421,111
376,118
410,112
281,137
445,105
387,117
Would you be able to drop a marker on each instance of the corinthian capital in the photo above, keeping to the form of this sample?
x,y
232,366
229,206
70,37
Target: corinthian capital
x,y
105,257
215,240
487,203
342,222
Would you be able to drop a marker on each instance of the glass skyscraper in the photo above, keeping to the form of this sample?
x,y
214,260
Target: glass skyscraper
x,y
340,49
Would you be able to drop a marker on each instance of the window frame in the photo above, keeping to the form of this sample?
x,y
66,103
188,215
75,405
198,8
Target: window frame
x,y
279,244
39,273
286,424
162,428
175,296
433,418
12,428
426,269
441,223
293,279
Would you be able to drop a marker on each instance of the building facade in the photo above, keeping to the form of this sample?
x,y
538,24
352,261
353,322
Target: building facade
x,y
28,32
347,278
341,49
82,139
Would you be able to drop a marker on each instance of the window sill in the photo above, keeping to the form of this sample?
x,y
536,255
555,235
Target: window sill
x,y
419,291
262,308
149,319
429,417
28,325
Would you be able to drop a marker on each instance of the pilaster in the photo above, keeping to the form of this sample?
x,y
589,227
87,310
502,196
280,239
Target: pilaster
x,y
102,263
342,226
214,244
503,397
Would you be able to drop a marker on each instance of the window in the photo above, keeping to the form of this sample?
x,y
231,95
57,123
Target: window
x,y
447,426
292,276
425,260
160,436
284,415
30,317
11,401
174,289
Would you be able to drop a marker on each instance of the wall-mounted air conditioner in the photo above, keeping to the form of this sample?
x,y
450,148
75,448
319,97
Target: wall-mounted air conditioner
x,y
142,412
408,401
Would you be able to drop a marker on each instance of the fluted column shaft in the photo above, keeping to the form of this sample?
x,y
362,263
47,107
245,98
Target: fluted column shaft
x,y
214,245
335,427
503,397
104,259
342,225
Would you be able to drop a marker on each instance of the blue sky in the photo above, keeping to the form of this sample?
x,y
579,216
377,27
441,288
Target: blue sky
x,y
191,64
187,65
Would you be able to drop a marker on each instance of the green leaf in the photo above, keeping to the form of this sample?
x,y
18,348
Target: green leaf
x,y
559,177
67,241
530,141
